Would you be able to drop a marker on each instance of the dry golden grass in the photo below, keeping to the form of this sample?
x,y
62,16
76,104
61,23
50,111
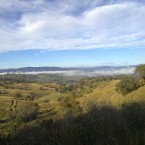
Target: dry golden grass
x,y
107,95
103,94
110,124
135,96
42,96
5,101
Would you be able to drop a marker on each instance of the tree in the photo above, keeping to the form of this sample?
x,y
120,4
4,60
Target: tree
x,y
140,69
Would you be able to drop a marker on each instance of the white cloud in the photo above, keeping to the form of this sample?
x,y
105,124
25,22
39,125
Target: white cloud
x,y
82,25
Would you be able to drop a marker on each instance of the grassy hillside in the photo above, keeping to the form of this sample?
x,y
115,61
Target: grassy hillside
x,y
106,117
106,94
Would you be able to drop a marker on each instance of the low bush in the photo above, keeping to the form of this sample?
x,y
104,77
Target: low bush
x,y
69,104
128,84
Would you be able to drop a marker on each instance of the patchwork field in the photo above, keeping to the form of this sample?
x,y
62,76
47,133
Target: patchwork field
x,y
47,95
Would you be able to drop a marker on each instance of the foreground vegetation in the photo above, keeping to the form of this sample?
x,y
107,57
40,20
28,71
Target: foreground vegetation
x,y
88,111
99,126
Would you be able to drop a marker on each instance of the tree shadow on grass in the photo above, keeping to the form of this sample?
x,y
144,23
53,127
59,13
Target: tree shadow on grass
x,y
99,126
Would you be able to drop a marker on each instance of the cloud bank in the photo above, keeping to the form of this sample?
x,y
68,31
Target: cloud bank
x,y
71,24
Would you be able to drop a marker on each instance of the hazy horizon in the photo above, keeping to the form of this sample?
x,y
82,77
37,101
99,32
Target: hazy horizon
x,y
75,66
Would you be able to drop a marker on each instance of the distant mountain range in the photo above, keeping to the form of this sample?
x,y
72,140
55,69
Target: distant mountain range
x,y
85,71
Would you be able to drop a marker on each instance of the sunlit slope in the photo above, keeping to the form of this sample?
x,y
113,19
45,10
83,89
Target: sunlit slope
x,y
104,94
107,95
135,96
43,93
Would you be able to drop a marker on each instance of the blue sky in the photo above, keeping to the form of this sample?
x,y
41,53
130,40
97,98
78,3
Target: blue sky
x,y
71,32
67,58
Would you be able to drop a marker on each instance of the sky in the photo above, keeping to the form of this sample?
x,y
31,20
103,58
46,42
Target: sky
x,y
71,32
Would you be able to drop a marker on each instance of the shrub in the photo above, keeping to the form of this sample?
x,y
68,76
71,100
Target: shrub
x,y
27,113
69,104
127,85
